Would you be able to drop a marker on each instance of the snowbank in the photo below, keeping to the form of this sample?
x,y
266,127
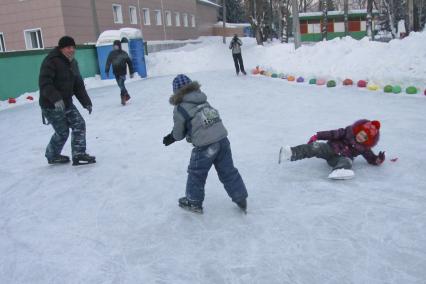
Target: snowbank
x,y
397,62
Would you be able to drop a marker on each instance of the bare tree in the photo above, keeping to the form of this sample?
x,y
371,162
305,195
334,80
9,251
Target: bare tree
x,y
256,11
296,24
346,16
410,9
370,19
420,7
324,19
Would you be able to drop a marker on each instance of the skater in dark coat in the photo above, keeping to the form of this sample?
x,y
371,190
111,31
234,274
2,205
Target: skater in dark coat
x,y
235,46
120,60
59,80
202,126
343,145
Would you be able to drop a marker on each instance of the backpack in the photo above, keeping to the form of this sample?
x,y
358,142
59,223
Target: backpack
x,y
205,116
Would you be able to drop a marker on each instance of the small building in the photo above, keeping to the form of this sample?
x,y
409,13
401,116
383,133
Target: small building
x,y
311,24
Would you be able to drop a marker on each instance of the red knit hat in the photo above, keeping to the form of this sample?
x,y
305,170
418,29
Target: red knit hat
x,y
371,128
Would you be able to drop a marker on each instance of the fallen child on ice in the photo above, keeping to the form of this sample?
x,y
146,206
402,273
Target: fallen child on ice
x,y
342,146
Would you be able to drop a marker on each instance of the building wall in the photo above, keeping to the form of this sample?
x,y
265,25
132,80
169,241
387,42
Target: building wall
x,y
206,18
76,18
17,16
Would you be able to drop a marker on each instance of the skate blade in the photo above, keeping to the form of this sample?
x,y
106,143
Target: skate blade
x,y
193,210
279,155
84,163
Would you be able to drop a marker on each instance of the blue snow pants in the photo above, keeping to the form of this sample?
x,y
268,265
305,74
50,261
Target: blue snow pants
x,y
120,82
202,158
61,122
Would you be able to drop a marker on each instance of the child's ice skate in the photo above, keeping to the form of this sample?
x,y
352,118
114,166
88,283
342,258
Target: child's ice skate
x,y
285,154
187,205
341,174
243,205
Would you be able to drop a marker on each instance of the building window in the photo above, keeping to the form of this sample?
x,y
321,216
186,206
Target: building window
x,y
339,27
177,19
193,21
146,17
117,13
158,20
133,16
168,18
33,39
2,45
185,19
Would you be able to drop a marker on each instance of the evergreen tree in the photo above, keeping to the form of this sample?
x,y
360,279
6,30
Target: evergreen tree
x,y
234,12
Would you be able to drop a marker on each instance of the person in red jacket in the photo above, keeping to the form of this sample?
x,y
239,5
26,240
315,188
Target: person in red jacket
x,y
342,146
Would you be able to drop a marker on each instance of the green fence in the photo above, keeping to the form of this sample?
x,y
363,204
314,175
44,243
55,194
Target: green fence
x,y
19,70
332,35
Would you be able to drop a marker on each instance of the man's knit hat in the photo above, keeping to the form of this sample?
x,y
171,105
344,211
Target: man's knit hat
x,y
66,41
180,81
117,43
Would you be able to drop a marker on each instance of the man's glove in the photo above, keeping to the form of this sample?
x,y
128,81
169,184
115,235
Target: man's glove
x,y
60,105
313,139
380,158
169,139
89,108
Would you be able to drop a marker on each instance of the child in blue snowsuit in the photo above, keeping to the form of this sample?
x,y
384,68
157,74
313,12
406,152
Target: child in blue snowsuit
x,y
200,123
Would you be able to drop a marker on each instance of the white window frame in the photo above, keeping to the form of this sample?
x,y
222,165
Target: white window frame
x,y
118,17
28,42
2,43
185,19
177,19
158,18
133,15
193,21
168,18
146,17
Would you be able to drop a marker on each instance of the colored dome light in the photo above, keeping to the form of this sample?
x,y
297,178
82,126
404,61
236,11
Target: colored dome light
x,y
411,90
331,84
388,89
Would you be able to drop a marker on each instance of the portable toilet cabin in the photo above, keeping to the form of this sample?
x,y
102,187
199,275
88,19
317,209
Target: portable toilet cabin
x,y
136,49
131,42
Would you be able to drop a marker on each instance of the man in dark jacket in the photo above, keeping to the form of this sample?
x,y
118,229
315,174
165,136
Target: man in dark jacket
x,y
119,60
59,80
235,46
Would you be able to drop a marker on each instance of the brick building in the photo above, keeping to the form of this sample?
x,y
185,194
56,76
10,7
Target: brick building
x,y
37,24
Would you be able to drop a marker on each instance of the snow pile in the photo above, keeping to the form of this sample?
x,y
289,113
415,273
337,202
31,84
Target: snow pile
x,y
397,62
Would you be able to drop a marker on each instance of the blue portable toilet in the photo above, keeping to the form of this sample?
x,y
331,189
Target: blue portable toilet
x,y
132,43
136,49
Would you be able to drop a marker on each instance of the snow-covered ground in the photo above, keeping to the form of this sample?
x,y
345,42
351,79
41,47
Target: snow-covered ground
x,y
117,221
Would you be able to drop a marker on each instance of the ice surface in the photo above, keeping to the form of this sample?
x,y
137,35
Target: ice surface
x,y
118,221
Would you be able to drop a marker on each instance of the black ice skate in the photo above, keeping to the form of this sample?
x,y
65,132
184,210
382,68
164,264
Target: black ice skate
x,y
243,205
59,159
83,159
185,204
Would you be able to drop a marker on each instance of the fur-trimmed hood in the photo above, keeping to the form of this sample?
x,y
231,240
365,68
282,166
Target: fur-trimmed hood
x,y
193,87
